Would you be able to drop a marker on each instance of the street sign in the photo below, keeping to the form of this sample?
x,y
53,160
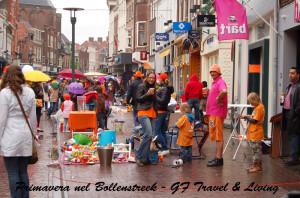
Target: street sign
x,y
194,34
206,21
181,27
161,37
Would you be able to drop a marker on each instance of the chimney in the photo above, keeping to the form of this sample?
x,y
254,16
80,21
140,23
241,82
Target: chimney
x,y
100,40
91,39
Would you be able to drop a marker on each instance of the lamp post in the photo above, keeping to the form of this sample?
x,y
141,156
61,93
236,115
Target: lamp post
x,y
73,21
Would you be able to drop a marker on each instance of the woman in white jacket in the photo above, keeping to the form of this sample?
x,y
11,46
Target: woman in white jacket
x,y
15,135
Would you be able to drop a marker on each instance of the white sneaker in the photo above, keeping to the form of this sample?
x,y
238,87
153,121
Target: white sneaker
x,y
163,153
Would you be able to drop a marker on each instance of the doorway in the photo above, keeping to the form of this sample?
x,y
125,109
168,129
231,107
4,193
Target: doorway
x,y
258,74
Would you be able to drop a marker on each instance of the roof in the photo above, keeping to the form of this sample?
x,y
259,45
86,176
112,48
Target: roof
x,y
46,3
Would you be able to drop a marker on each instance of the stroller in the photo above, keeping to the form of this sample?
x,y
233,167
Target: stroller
x,y
200,135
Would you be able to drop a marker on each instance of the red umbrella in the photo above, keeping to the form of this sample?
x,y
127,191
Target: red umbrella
x,y
67,73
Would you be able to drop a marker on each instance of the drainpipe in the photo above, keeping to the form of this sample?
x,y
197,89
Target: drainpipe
x,y
277,37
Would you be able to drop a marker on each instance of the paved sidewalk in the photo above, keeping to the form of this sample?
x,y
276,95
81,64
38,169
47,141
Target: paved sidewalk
x,y
274,174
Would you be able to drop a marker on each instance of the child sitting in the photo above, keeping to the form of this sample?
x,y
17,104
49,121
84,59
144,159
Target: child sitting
x,y
185,135
66,107
255,132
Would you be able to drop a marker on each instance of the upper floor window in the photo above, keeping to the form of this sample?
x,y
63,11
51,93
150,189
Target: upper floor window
x,y
141,33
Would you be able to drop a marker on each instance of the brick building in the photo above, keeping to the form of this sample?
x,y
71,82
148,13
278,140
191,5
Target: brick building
x,y
8,27
41,42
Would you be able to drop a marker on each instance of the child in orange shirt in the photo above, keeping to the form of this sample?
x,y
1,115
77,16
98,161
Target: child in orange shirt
x,y
185,135
255,132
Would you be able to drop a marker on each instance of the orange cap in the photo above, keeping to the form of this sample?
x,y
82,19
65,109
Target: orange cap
x,y
163,76
215,68
67,96
138,74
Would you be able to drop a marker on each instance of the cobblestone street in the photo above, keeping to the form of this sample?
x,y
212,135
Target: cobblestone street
x,y
129,174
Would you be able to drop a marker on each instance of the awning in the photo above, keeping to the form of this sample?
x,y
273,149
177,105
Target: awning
x,y
165,52
147,66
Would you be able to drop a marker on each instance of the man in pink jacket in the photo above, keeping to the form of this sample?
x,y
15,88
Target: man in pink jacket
x,y
216,109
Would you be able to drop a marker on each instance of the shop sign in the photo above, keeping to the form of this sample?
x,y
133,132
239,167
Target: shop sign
x,y
206,21
181,27
194,34
161,37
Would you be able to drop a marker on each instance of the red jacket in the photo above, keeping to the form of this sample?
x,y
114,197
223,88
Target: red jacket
x,y
194,88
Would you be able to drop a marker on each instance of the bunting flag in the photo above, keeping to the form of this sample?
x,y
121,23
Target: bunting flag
x,y
297,11
232,20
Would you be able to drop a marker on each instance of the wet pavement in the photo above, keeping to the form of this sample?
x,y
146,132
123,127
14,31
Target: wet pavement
x,y
231,178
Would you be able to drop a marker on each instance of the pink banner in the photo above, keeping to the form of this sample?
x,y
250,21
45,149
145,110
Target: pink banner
x,y
297,10
232,20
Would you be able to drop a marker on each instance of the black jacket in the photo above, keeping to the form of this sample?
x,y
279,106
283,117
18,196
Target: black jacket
x,y
131,93
163,97
293,116
145,102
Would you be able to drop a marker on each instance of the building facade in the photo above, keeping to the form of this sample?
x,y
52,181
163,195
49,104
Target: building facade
x,y
44,33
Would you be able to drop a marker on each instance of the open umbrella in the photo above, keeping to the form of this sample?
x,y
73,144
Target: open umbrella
x,y
27,68
110,77
36,76
67,73
76,88
94,74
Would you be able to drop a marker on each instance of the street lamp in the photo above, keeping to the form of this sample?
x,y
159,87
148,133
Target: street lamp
x,y
73,21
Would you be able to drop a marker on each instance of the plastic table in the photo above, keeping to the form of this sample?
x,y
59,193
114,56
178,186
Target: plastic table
x,y
237,133
82,120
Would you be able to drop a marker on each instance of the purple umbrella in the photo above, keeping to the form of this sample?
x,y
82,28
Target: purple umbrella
x,y
76,88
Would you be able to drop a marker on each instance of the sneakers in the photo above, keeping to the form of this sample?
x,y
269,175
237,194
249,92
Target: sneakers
x,y
139,163
256,167
215,162
164,152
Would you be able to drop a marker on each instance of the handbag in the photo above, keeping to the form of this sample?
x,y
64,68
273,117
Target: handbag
x,y
34,157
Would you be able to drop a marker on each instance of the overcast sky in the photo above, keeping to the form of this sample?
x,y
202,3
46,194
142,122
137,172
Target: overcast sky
x,y
91,22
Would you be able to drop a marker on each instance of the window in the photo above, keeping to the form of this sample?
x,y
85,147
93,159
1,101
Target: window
x,y
129,38
141,32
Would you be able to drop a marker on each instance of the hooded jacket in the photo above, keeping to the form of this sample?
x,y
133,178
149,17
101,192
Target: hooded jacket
x,y
163,97
193,89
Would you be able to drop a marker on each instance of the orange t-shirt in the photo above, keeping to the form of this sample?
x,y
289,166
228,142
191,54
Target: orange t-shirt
x,y
149,113
185,135
256,131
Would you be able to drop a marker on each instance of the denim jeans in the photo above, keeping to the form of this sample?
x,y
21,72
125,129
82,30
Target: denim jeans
x,y
148,124
101,120
135,117
186,153
160,129
53,108
294,146
17,173
66,124
194,103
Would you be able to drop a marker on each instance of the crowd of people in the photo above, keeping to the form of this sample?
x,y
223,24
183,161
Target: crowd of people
x,y
150,98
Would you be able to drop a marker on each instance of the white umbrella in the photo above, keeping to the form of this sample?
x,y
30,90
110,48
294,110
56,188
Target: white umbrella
x,y
94,74
27,68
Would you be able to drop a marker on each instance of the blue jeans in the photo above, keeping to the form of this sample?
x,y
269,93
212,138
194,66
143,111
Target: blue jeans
x,y
135,117
294,146
143,153
194,103
66,124
53,108
17,175
160,129
186,153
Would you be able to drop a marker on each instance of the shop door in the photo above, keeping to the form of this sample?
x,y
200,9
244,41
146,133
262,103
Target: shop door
x,y
258,74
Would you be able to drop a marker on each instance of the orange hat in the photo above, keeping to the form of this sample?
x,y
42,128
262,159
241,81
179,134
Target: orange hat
x,y
138,74
215,68
163,76
67,96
